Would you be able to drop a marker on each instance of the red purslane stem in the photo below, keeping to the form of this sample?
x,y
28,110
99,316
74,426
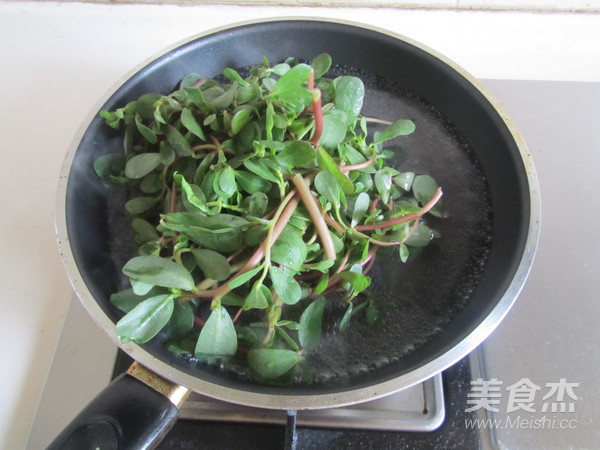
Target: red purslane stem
x,y
402,219
316,108
312,206
332,222
318,115
360,166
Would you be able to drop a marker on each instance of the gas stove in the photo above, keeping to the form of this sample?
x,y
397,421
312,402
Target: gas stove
x,y
532,384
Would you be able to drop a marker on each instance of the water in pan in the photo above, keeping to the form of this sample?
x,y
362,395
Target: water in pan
x,y
422,295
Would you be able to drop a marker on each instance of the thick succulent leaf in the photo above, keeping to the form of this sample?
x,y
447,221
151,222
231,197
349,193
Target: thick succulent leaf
x,y
218,336
144,321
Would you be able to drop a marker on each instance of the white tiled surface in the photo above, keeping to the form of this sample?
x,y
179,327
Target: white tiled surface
x,y
545,5
59,58
508,5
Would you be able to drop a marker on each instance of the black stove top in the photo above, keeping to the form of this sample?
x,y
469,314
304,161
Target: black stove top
x,y
210,434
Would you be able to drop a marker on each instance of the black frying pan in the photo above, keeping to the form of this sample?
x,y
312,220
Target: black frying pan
x,y
443,304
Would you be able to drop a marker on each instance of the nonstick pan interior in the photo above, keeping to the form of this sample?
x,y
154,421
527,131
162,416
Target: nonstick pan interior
x,y
442,304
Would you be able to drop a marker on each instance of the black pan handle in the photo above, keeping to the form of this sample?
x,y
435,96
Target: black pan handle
x,y
127,414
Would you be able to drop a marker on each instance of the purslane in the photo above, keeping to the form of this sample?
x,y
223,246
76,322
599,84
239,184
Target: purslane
x,y
255,201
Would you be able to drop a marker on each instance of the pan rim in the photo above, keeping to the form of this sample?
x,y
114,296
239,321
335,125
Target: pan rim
x,y
308,401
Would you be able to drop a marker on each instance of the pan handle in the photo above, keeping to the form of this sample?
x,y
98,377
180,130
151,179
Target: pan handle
x,y
134,412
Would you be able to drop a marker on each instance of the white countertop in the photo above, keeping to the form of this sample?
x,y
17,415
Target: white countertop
x,y
58,59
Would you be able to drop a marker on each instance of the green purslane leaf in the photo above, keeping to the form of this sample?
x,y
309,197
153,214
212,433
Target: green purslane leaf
x,y
311,323
399,128
285,286
145,105
321,64
245,94
146,132
232,76
218,336
259,168
222,233
197,98
245,277
359,207
224,100
112,118
403,252
189,80
152,183
384,183
227,183
159,272
298,154
321,266
350,312
405,180
191,124
280,69
140,205
289,250
251,183
193,193
215,222
358,281
213,264
182,319
107,165
423,187
334,132
349,95
257,204
141,165
239,120
140,287
269,120
421,237
177,142
258,298
145,320
292,79
326,162
223,240
232,299
126,299
272,363
290,89
327,186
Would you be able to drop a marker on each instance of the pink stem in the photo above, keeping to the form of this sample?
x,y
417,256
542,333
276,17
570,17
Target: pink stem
x,y
234,255
333,223
407,218
384,243
363,165
370,256
344,261
369,261
318,114
312,205
311,80
173,200
373,206
237,315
